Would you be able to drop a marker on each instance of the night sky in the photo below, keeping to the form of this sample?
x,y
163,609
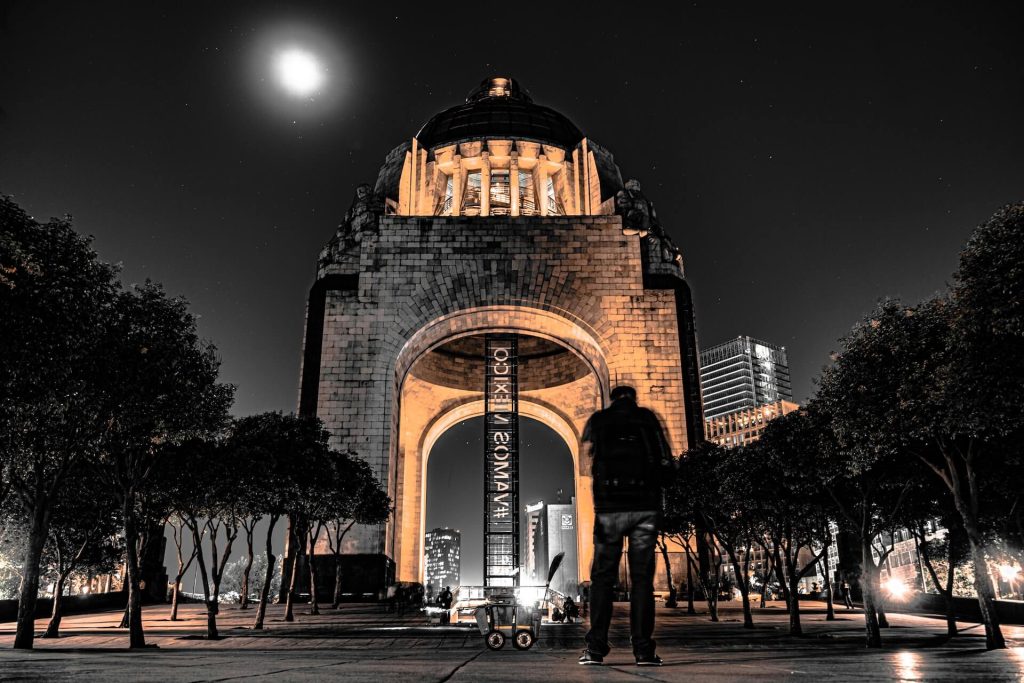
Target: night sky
x,y
808,158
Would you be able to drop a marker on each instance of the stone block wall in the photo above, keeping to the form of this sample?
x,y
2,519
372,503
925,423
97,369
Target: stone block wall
x,y
421,281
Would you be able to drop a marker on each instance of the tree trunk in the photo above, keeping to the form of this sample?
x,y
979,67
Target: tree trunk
x,y
299,537
53,628
986,595
883,621
314,598
744,586
29,593
268,576
968,512
671,602
867,588
174,599
830,612
795,628
337,580
689,587
248,570
136,636
211,605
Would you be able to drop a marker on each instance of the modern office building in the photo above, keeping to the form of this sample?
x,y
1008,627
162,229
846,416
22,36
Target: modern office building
x,y
561,532
546,531
442,562
743,373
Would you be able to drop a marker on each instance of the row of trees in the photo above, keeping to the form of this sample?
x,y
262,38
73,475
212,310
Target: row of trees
x,y
269,466
919,417
113,423
96,378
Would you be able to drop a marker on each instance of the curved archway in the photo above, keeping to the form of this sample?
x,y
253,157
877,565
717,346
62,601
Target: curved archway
x,y
562,329
453,495
423,411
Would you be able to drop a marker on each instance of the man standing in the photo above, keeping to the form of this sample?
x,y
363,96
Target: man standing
x,y
630,458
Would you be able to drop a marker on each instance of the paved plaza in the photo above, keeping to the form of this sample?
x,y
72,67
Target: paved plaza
x,y
361,643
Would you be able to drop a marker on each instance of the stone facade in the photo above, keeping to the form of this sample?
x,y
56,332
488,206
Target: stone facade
x,y
578,281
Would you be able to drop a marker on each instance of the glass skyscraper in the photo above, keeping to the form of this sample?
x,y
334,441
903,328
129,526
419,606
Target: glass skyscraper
x,y
743,373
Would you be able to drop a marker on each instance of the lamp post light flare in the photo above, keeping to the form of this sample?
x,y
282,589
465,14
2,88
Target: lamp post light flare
x,y
897,589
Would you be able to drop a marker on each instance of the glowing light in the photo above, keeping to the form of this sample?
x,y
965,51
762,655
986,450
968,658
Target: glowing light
x,y
907,665
299,72
897,588
1008,572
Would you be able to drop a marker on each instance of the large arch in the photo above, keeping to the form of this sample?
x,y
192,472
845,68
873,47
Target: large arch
x,y
430,413
546,415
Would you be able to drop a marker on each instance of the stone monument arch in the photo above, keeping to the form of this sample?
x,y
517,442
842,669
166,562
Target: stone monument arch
x,y
498,216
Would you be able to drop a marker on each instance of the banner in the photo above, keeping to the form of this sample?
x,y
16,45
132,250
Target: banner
x,y
501,461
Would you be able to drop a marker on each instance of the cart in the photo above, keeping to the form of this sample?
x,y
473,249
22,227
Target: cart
x,y
503,617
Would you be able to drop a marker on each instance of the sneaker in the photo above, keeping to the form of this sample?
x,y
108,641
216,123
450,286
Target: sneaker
x,y
591,658
653,660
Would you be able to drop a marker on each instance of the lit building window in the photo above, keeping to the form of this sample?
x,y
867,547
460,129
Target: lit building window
x,y
527,195
554,206
501,194
471,200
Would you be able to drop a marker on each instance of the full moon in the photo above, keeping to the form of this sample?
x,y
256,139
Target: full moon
x,y
299,72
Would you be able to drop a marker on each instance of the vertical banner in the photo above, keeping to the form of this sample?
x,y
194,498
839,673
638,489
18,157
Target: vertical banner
x,y
501,461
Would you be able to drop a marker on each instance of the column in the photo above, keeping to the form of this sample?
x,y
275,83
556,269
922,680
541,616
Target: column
x,y
513,179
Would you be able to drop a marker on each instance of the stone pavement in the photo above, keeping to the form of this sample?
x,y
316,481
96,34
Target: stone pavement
x,y
360,643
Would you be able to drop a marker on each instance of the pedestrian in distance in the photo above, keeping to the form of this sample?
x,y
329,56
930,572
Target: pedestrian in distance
x,y
445,601
631,463
571,611
847,599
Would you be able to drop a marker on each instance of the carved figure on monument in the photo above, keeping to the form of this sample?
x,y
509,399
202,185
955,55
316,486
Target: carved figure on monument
x,y
361,218
640,218
636,210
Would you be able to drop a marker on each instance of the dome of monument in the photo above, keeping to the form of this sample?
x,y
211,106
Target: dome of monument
x,y
499,108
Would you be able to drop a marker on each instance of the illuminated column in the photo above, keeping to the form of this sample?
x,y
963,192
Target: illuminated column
x,y
513,179
414,164
540,175
485,183
457,186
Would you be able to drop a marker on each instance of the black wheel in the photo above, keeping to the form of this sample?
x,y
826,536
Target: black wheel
x,y
495,640
524,640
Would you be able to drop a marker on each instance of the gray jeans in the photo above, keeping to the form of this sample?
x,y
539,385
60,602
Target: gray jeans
x,y
610,528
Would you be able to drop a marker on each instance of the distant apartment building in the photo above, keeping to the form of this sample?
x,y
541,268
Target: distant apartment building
x,y
442,549
743,426
743,373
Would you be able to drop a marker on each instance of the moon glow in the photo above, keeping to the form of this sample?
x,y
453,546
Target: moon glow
x,y
299,72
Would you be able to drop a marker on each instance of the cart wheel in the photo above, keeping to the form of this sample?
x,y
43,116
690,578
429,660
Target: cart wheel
x,y
495,640
524,640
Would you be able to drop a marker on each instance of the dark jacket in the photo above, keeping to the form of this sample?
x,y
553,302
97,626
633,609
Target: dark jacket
x,y
631,457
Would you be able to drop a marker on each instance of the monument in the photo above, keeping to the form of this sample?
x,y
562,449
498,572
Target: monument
x,y
499,219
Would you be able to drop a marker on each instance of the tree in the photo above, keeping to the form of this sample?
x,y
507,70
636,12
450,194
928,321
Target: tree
x,y
720,490
162,389
280,452
360,500
788,503
56,296
859,445
83,534
964,398
205,497
687,502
